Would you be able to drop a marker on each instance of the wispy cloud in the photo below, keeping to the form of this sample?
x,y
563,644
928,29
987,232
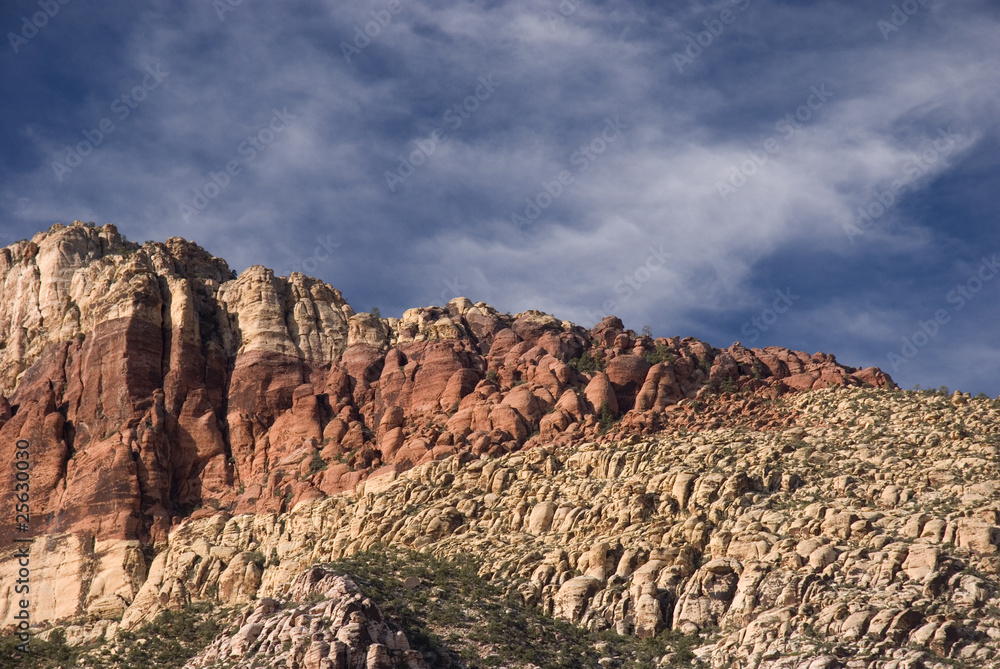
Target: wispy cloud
x,y
562,74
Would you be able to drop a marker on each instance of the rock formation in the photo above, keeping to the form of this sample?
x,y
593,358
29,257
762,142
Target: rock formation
x,y
845,541
334,626
184,421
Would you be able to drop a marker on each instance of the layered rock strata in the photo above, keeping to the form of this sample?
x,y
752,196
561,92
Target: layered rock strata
x,y
156,388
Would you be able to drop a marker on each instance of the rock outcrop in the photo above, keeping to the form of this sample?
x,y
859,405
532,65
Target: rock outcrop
x,y
181,420
323,622
829,542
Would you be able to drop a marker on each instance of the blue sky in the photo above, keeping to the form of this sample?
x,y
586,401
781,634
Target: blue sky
x,y
697,167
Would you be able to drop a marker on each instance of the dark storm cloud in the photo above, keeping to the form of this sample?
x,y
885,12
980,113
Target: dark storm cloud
x,y
675,165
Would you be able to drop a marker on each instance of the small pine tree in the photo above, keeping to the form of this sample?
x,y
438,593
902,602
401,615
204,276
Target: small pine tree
x,y
607,418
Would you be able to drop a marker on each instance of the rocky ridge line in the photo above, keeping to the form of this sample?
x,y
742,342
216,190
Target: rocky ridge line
x,y
152,383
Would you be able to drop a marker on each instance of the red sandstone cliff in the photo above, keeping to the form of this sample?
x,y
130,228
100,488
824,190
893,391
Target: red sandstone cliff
x,y
151,381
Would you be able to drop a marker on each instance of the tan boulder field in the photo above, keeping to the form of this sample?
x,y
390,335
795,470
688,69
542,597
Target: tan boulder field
x,y
197,436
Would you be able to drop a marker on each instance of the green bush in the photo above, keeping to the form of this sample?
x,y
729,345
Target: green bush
x,y
607,418
661,354
168,642
317,464
587,363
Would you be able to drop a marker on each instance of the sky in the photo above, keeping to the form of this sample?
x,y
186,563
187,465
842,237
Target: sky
x,y
815,175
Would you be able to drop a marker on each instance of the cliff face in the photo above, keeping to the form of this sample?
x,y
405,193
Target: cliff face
x,y
126,368
865,537
151,382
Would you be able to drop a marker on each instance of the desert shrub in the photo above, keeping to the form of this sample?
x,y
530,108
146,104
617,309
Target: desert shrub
x,y
661,354
167,642
317,464
607,418
455,614
587,363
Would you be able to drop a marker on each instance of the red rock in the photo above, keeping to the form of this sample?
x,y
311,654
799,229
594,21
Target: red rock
x,y
569,402
623,342
335,430
507,420
183,385
599,392
393,417
461,423
552,424
484,326
724,366
437,365
355,437
526,403
873,376
503,341
410,453
390,442
605,332
659,390
531,325
461,383
627,373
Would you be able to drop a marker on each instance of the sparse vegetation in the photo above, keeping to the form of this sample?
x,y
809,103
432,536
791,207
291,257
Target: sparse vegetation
x,y
168,642
661,354
607,418
588,363
317,464
457,615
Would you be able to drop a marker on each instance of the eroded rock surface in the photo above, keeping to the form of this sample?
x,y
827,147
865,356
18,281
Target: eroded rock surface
x,y
322,622
197,435
831,542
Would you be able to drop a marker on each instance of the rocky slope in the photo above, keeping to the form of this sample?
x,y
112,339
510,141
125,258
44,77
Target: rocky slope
x,y
339,625
866,536
183,420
